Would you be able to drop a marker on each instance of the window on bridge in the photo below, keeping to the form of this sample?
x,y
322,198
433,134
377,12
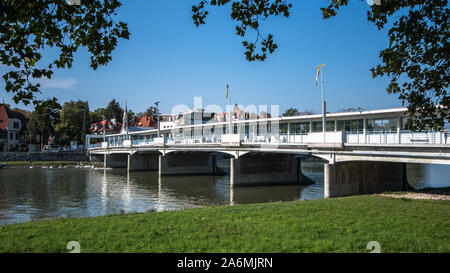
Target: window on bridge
x,y
352,126
283,128
317,126
299,128
385,124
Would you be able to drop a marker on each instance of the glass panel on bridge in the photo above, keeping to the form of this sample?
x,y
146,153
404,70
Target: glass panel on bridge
x,y
299,128
317,126
353,126
385,124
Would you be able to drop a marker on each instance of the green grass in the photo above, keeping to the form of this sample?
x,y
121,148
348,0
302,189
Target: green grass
x,y
17,164
330,225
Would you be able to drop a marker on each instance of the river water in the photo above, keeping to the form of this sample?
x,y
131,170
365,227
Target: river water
x,y
32,194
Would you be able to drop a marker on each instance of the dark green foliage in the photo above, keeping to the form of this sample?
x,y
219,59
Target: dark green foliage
x,y
29,27
248,14
291,112
44,119
416,60
74,122
113,110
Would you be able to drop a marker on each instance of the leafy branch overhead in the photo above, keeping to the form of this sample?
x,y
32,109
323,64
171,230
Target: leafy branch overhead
x,y
416,61
249,14
29,27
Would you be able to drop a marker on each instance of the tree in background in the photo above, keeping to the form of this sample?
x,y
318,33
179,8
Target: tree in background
x,y
291,112
43,120
151,111
95,116
113,110
416,60
29,27
130,116
74,122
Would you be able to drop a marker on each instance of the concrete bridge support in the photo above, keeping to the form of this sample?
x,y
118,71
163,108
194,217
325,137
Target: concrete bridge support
x,y
115,160
267,169
97,160
143,162
353,178
188,163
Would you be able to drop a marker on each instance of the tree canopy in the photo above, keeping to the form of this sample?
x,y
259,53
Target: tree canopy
x,y
74,122
416,60
290,112
43,119
27,27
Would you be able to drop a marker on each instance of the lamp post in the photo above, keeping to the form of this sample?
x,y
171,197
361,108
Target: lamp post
x,y
104,129
324,105
157,116
324,110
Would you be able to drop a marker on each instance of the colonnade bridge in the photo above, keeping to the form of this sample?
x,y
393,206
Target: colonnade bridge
x,y
364,152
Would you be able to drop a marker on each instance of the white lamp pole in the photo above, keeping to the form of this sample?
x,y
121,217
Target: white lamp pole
x,y
324,110
157,116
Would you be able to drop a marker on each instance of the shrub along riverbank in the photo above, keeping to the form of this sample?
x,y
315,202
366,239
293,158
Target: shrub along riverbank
x,y
330,225
37,164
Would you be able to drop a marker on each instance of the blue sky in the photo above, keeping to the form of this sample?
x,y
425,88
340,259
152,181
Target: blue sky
x,y
170,60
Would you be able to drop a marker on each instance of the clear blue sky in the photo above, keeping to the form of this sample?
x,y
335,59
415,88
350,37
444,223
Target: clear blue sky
x,y
170,60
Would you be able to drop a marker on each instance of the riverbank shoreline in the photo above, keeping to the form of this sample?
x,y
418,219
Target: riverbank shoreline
x,y
422,194
46,164
344,224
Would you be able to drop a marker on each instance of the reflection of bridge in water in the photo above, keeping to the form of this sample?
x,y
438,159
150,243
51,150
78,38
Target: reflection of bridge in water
x,y
365,152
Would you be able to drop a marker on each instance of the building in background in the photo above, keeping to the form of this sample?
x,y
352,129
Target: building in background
x,y
112,127
191,117
239,114
12,130
146,122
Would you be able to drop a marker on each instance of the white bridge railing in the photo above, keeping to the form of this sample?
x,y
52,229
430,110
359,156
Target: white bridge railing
x,y
401,137
339,137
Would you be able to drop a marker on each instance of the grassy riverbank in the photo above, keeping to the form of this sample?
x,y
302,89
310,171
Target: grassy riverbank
x,y
37,164
331,225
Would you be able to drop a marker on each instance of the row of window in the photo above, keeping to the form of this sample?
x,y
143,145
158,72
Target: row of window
x,y
297,128
357,125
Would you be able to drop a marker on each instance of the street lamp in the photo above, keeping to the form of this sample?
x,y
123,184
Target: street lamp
x,y
104,128
157,116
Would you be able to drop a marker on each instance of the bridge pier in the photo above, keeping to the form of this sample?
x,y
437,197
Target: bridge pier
x,y
115,161
143,162
267,169
364,177
190,163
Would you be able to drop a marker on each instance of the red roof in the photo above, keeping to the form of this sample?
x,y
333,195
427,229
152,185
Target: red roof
x,y
6,115
147,121
4,119
110,126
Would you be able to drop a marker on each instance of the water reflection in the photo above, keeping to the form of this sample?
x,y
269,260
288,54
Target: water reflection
x,y
30,194
428,175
